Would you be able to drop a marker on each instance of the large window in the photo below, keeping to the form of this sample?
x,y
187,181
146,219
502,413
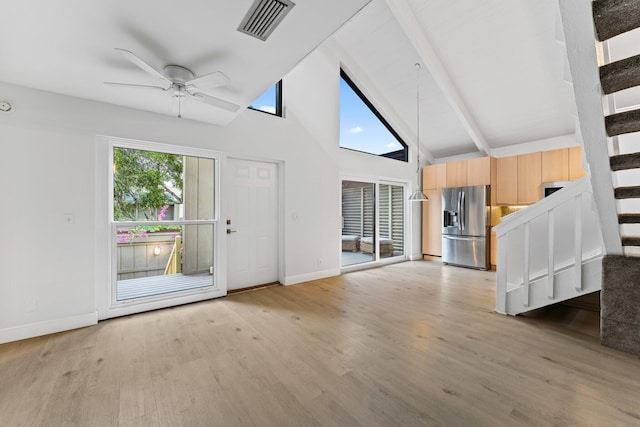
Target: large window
x,y
362,127
271,101
164,217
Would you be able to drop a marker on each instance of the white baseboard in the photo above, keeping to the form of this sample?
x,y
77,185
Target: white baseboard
x,y
292,280
47,327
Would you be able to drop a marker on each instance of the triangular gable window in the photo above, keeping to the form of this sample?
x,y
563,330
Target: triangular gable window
x,y
271,101
362,127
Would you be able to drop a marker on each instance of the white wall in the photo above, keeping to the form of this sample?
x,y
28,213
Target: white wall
x,y
48,270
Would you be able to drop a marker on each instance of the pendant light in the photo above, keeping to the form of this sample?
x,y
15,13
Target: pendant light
x,y
418,195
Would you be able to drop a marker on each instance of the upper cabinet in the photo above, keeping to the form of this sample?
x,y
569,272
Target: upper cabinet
x,y
457,174
519,179
434,176
529,178
507,180
575,163
479,171
555,165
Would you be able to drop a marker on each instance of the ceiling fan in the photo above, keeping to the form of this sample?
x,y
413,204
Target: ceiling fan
x,y
182,82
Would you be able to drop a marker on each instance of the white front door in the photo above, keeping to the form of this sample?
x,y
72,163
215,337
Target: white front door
x,y
251,223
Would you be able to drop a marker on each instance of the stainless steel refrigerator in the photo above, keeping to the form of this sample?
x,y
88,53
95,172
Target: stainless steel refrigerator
x,y
465,226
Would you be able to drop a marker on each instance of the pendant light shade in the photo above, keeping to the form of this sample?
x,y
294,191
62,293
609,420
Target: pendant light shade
x,y
418,195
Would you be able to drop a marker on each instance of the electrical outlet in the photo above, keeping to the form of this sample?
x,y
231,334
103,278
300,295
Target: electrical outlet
x,y
320,262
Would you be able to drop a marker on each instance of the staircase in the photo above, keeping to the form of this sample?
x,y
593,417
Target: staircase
x,y
550,252
610,132
612,19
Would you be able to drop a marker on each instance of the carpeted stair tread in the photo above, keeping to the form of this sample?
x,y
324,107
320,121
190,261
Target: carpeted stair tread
x,y
626,122
631,241
628,218
625,161
613,17
620,75
627,192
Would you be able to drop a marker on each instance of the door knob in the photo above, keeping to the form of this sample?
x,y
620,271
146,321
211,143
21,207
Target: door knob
x,y
229,231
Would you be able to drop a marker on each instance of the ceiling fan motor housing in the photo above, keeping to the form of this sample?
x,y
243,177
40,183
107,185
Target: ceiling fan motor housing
x,y
178,74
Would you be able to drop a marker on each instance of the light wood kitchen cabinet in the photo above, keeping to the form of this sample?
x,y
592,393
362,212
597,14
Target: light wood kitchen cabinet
x,y
529,178
575,163
519,179
432,223
479,171
507,180
434,176
457,174
555,165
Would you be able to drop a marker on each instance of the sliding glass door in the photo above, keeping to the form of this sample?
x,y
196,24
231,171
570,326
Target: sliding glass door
x,y
372,221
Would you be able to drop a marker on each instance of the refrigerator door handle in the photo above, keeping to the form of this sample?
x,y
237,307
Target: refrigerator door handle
x,y
459,208
461,211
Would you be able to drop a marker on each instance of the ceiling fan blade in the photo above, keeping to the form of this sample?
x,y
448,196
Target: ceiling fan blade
x,y
209,81
216,102
137,86
140,63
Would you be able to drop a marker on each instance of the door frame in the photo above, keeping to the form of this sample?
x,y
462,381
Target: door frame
x,y
280,203
405,221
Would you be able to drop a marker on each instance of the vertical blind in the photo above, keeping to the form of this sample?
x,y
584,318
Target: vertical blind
x,y
391,208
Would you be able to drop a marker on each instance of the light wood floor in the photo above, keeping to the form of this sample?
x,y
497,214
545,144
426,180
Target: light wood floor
x,y
413,344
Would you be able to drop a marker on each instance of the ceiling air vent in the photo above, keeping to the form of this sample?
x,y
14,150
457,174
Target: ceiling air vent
x,y
264,16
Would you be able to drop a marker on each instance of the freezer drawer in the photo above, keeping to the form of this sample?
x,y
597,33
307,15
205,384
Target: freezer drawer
x,y
465,251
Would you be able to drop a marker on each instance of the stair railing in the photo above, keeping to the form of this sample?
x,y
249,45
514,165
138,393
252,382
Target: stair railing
x,y
559,232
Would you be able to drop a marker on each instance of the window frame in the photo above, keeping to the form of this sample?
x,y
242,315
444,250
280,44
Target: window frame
x,y
122,307
403,153
278,101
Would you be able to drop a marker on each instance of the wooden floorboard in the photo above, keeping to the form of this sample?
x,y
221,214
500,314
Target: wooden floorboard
x,y
411,344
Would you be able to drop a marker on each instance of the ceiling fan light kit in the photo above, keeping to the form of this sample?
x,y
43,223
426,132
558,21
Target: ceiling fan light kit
x,y
182,82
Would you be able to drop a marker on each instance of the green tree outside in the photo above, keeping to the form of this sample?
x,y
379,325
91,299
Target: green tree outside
x,y
144,182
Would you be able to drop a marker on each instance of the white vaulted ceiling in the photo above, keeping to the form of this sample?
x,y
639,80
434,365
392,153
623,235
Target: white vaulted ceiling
x,y
492,74
67,46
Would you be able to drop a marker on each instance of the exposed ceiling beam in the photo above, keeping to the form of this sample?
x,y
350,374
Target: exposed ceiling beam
x,y
414,32
369,88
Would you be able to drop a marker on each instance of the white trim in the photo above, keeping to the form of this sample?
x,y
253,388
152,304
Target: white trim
x,y
316,275
186,297
37,329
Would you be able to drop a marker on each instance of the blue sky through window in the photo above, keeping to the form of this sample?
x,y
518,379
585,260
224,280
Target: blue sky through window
x,y
360,128
267,101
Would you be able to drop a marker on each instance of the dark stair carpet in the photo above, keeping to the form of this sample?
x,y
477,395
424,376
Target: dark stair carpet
x,y
620,75
625,161
613,17
629,218
626,122
631,241
627,192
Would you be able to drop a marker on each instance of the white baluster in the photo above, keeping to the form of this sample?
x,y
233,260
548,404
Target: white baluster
x,y
525,266
577,233
501,274
550,253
